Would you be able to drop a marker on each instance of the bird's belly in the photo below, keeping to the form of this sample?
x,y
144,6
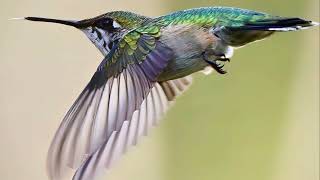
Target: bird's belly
x,y
178,68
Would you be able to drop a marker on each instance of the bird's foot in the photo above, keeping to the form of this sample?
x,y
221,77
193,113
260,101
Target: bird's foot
x,y
223,58
217,66
217,62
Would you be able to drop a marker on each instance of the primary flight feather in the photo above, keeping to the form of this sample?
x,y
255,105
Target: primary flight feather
x,y
148,63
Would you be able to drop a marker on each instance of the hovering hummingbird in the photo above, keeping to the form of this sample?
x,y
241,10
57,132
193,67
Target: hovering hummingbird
x,y
147,63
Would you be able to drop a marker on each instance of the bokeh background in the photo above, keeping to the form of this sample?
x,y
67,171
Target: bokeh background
x,y
258,122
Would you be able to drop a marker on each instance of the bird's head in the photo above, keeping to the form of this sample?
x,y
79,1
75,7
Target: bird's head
x,y
105,30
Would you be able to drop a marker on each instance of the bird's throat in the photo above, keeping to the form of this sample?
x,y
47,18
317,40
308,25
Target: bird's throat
x,y
103,40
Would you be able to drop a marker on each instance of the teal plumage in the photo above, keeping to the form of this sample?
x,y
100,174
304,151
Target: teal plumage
x,y
147,64
229,23
209,16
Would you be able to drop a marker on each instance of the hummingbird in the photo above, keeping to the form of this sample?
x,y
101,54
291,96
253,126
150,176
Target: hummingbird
x,y
147,63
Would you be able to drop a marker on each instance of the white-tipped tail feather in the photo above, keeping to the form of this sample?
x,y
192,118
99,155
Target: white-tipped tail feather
x,y
315,23
285,29
294,28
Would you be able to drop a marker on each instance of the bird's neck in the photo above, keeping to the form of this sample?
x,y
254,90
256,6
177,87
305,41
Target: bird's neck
x,y
103,40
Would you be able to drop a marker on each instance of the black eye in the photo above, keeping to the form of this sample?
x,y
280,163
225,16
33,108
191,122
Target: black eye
x,y
106,24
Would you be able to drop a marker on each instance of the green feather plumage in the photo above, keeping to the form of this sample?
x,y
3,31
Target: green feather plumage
x,y
209,16
204,17
233,22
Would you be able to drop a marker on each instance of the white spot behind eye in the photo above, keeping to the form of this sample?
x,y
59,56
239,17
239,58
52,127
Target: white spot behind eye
x,y
116,25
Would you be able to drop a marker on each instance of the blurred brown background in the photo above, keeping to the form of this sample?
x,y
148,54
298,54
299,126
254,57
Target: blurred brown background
x,y
258,122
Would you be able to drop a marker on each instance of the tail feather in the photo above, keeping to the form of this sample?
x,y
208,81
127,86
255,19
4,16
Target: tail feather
x,y
279,24
260,29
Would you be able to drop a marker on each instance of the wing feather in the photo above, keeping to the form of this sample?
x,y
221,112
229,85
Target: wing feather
x,y
142,120
119,105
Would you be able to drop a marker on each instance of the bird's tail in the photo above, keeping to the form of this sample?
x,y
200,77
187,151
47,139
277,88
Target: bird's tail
x,y
279,24
259,29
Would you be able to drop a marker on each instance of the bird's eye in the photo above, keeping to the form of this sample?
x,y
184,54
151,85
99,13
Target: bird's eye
x,y
105,23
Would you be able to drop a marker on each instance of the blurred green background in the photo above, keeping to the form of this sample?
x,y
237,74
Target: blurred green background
x,y
258,122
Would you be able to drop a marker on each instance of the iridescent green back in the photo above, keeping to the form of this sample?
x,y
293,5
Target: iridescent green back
x,y
224,17
210,16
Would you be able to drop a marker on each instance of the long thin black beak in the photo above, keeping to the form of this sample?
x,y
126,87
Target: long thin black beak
x,y
75,24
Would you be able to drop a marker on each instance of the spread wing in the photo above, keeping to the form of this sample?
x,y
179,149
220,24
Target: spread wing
x,y
148,115
119,104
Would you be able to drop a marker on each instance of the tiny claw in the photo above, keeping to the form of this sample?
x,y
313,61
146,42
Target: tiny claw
x,y
217,67
214,63
223,59
221,71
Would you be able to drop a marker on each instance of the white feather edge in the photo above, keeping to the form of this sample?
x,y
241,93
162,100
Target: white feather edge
x,y
295,28
141,121
313,23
